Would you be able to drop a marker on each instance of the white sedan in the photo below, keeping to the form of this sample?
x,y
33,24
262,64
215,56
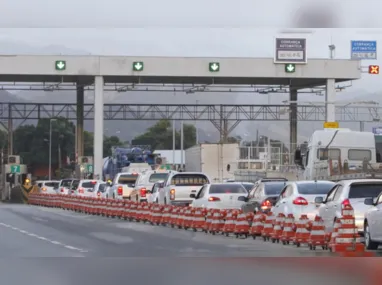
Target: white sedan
x,y
220,196
373,223
298,198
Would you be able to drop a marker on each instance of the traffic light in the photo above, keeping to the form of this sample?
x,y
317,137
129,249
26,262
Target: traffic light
x,y
373,69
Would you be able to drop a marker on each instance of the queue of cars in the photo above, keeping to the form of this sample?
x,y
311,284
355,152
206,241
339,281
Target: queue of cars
x,y
278,195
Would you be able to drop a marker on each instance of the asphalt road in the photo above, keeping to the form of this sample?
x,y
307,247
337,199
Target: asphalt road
x,y
32,240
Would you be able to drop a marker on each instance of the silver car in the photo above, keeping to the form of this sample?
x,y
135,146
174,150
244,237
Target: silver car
x,y
351,192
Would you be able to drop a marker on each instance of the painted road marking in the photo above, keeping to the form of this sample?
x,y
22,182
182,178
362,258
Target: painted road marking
x,y
43,238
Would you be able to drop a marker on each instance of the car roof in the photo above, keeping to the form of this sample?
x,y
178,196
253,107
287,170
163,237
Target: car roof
x,y
349,182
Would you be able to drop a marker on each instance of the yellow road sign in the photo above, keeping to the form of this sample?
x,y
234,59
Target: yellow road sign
x,y
331,125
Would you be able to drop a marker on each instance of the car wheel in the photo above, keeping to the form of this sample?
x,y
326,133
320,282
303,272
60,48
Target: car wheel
x,y
165,201
369,243
113,196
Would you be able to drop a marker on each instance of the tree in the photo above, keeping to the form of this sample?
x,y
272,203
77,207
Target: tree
x,y
108,142
88,143
160,135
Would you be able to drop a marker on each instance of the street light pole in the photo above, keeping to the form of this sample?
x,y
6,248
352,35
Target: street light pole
x,y
50,148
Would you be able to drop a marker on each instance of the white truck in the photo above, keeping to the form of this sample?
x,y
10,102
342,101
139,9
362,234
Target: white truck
x,y
123,186
339,154
212,159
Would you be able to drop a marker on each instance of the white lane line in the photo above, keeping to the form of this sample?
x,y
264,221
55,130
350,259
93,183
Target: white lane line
x,y
43,238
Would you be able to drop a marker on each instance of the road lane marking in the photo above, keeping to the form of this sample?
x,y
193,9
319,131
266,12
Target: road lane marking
x,y
44,238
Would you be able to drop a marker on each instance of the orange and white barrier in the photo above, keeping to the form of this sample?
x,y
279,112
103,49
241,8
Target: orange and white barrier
x,y
343,240
257,225
199,219
278,228
288,233
229,224
268,226
241,225
317,234
217,222
302,232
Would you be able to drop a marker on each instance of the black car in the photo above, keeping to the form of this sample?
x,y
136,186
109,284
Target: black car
x,y
264,196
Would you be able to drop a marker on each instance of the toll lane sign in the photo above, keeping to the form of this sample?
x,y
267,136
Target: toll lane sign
x,y
363,50
290,50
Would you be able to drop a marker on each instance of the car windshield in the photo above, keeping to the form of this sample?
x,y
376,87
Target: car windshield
x,y
314,188
88,184
248,186
273,188
102,187
228,188
127,179
51,184
157,177
66,183
365,190
189,180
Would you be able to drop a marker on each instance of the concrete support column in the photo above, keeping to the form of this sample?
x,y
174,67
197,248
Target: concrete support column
x,y
330,97
292,124
10,134
98,127
80,122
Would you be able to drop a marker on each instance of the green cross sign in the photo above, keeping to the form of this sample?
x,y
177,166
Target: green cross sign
x,y
138,65
90,168
290,68
214,66
15,168
60,65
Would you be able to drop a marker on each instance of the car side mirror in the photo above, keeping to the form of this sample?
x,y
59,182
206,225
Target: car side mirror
x,y
109,184
319,200
243,198
193,196
369,201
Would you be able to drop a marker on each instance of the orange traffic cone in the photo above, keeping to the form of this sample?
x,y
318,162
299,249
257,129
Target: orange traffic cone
x,y
317,234
199,220
268,226
241,225
257,225
278,228
229,224
217,222
288,233
302,233
348,242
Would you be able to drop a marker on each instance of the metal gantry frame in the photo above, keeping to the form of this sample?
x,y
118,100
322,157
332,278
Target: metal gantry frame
x,y
187,112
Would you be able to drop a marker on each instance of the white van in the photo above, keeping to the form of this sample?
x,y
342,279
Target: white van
x,y
342,145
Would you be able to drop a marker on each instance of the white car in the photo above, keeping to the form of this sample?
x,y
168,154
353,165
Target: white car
x,y
298,198
351,192
84,187
146,180
221,196
65,187
123,186
180,185
373,223
156,193
48,186
100,189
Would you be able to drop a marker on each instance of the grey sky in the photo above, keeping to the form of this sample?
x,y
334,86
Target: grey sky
x,y
175,13
221,28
